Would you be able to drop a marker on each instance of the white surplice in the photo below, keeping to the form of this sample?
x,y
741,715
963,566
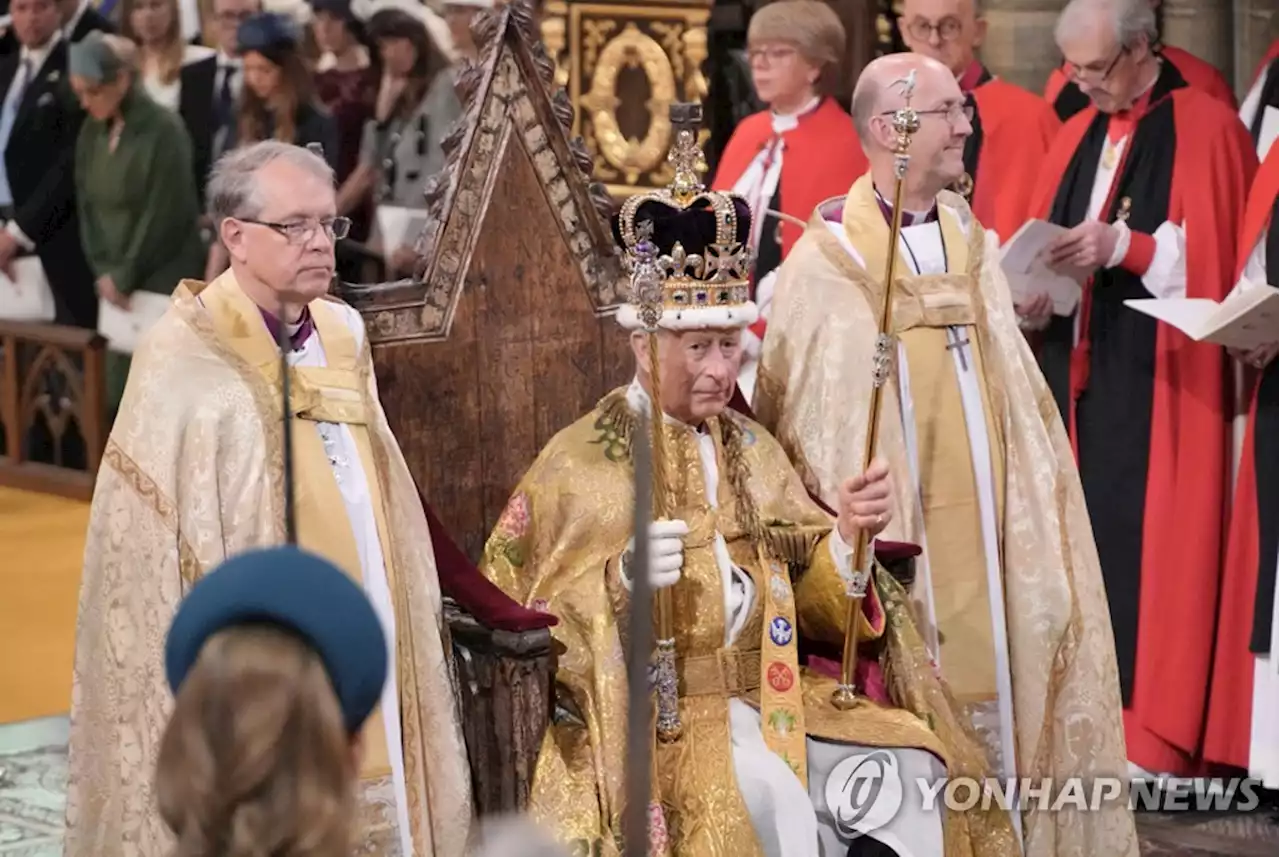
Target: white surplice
x,y
1264,729
923,248
757,185
790,821
344,457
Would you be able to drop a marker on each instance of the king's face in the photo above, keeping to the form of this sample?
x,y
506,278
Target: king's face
x,y
699,371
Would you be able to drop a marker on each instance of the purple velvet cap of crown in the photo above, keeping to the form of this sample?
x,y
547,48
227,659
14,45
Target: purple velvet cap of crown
x,y
694,228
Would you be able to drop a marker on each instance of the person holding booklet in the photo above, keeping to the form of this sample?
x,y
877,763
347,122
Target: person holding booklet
x,y
1149,182
135,197
1243,720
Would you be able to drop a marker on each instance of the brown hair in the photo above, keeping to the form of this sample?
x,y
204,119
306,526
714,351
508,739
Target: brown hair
x,y
256,760
170,59
297,90
812,26
429,62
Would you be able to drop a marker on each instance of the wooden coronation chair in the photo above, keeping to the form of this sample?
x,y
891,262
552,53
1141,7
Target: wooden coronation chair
x,y
504,336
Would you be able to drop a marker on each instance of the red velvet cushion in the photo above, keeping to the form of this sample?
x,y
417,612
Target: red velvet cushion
x,y
475,593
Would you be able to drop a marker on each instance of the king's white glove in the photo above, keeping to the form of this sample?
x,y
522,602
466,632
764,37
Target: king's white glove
x,y
666,554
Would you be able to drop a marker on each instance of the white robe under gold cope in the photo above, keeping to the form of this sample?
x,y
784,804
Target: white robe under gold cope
x,y
1009,590
193,473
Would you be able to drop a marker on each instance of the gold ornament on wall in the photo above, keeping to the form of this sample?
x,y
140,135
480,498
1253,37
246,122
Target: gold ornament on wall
x,y
624,64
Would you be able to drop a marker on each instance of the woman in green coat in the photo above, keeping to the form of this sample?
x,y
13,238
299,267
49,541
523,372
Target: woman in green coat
x,y
135,192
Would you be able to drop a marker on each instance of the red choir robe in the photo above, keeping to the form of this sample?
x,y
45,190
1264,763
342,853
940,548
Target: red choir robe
x,y
1012,130
1272,52
1144,404
1262,95
822,158
1248,584
1068,100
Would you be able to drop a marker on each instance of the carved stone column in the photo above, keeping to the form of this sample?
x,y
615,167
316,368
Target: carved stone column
x,y
1255,29
1203,27
1019,45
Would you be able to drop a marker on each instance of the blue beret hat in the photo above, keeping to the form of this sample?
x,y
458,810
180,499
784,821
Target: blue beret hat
x,y
268,33
298,591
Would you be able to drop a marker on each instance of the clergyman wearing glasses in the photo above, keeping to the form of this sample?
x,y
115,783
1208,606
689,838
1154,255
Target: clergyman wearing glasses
x,y
193,472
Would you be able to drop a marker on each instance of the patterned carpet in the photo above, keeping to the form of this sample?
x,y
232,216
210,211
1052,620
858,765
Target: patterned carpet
x,y
33,780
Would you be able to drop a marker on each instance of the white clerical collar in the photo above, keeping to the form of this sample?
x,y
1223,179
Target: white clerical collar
x,y
788,121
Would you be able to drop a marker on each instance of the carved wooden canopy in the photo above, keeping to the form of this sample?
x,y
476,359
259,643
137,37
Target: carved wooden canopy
x,y
507,333
511,100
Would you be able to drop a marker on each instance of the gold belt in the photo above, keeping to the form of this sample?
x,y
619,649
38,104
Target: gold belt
x,y
728,672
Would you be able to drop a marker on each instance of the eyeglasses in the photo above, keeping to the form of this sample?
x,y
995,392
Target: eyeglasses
x,y
952,112
1085,74
947,29
773,55
302,231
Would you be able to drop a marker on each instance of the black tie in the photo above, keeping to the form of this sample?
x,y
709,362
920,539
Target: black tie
x,y
225,98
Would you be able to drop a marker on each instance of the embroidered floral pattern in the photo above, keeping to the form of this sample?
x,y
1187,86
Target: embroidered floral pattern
x,y
509,535
659,841
782,721
610,437
514,523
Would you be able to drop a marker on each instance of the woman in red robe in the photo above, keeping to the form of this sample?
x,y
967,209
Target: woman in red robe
x,y
802,150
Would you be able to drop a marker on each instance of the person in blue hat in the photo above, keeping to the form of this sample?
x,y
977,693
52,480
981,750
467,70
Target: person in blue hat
x,y
277,660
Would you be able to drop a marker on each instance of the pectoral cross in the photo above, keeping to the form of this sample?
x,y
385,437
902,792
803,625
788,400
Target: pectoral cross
x,y
956,340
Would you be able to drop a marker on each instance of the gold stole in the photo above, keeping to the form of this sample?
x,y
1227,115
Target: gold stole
x,y
924,307
781,693
333,393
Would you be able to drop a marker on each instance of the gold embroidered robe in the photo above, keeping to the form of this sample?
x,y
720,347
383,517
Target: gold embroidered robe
x,y
814,392
556,548
193,473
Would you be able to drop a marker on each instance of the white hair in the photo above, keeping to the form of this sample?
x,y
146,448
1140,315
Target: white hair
x,y
1129,20
233,181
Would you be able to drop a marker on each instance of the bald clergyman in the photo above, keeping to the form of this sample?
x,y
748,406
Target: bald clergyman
x,y
1008,589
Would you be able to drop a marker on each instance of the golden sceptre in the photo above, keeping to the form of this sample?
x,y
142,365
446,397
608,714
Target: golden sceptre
x,y
905,123
646,284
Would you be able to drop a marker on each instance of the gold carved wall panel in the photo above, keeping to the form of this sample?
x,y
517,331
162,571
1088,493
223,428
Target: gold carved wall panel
x,y
623,64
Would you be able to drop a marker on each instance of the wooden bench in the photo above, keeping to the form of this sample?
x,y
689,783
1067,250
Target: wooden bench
x,y
53,422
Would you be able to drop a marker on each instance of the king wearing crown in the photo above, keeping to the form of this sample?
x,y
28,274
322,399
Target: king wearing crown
x,y
749,577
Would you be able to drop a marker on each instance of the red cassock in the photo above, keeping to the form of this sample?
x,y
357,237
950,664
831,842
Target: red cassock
x,y
1227,727
821,157
1272,53
1144,404
1012,131
1068,100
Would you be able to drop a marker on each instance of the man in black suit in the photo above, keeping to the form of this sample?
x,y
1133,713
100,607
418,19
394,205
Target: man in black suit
x,y
39,122
79,18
